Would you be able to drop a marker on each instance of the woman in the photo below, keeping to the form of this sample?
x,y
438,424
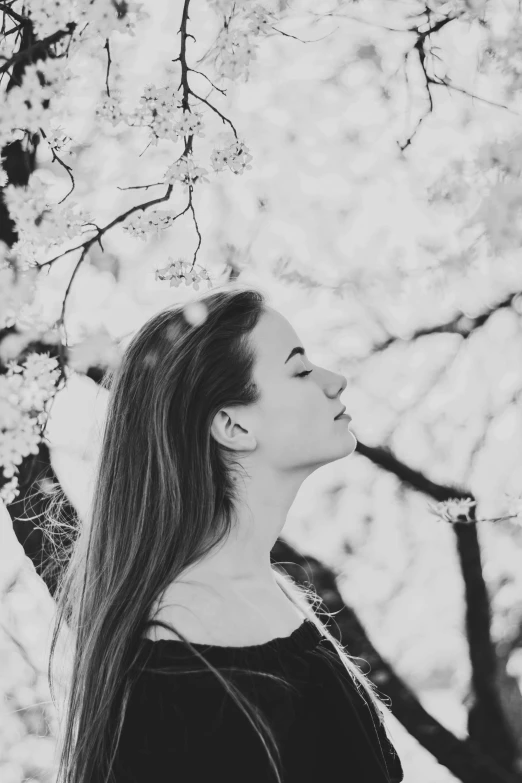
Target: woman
x,y
194,657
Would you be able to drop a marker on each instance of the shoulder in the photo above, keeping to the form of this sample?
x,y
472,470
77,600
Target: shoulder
x,y
187,619
204,618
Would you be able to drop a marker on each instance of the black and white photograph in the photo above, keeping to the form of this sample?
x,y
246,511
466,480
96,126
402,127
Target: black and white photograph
x,y
261,391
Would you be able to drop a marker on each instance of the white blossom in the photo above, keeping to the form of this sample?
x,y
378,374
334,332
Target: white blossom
x,y
259,19
110,109
453,510
161,109
235,52
185,171
9,491
49,17
224,7
25,390
232,153
28,106
17,289
37,219
93,18
144,224
191,123
57,138
179,270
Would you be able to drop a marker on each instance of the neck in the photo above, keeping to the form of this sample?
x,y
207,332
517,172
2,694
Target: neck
x,y
243,559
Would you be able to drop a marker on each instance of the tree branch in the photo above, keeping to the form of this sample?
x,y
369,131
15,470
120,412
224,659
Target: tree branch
x,y
17,17
463,757
487,723
460,324
119,219
26,55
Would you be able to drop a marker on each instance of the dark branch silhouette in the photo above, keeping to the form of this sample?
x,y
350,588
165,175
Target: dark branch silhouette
x,y
465,758
460,324
488,724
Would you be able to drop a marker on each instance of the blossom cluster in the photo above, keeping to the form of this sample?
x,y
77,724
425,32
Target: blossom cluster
x,y
57,138
185,171
233,153
17,293
25,390
453,510
25,108
28,106
142,224
175,271
236,47
93,18
110,109
161,109
37,220
456,510
236,52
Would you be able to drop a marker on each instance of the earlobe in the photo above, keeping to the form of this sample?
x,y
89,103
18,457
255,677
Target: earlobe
x,y
250,442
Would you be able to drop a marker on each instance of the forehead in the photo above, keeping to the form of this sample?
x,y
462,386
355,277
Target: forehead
x,y
274,337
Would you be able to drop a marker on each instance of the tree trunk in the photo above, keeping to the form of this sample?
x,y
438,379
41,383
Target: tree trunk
x,y
463,757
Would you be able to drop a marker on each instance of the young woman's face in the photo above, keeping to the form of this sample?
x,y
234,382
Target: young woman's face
x,y
294,421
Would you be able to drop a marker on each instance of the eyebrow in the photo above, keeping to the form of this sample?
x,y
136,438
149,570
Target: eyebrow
x,y
293,352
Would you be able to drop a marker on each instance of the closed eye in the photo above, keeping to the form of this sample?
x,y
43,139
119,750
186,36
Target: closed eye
x,y
302,374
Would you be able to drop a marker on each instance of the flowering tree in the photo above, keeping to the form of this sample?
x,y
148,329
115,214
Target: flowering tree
x,y
46,50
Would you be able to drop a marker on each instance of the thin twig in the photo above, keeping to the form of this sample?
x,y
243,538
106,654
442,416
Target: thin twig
x,y
62,163
225,119
224,92
302,40
17,17
140,187
196,225
449,85
109,61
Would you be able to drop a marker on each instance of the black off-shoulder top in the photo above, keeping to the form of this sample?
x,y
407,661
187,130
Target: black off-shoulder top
x,y
182,726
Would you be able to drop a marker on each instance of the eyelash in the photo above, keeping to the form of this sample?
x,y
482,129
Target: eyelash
x,y
302,374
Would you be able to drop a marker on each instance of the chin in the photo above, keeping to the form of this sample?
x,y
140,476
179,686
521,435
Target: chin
x,y
351,443
345,447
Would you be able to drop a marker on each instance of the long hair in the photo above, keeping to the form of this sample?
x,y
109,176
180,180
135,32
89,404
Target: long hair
x,y
163,496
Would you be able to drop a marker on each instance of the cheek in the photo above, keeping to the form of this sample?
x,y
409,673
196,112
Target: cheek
x,y
292,413
294,424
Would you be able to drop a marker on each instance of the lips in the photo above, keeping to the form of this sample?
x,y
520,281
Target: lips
x,y
340,413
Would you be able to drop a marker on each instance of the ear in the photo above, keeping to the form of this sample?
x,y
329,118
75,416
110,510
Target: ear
x,y
227,430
